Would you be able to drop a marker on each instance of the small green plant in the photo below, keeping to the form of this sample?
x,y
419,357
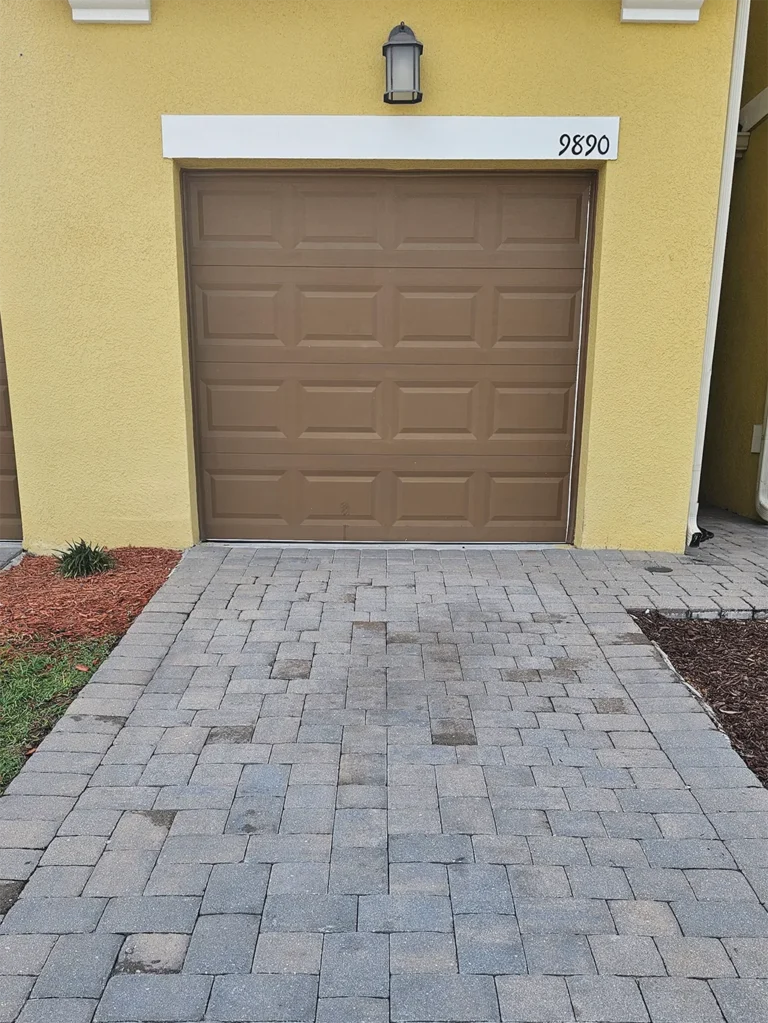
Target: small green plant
x,y
81,559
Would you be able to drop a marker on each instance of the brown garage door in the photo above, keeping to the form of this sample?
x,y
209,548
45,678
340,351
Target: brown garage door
x,y
384,356
10,514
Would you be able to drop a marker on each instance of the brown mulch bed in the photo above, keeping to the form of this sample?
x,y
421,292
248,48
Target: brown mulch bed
x,y
38,606
727,662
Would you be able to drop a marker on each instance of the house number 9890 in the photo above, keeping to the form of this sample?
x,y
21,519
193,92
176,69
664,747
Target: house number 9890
x,y
584,145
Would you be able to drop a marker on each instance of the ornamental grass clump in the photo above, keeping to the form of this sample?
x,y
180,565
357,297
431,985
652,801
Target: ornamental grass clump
x,y
82,559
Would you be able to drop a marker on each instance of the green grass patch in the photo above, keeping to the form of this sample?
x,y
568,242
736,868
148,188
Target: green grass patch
x,y
36,687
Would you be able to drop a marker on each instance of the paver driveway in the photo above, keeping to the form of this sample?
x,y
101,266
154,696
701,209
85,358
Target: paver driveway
x,y
363,785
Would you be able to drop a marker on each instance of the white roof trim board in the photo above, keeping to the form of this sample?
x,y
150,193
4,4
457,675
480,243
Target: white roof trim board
x,y
125,12
138,12
669,11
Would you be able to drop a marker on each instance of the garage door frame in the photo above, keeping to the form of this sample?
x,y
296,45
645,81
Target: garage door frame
x,y
357,171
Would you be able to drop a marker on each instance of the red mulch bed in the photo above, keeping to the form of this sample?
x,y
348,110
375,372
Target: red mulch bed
x,y
727,662
37,606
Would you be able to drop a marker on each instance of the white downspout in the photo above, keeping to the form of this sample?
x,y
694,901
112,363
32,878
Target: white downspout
x,y
694,534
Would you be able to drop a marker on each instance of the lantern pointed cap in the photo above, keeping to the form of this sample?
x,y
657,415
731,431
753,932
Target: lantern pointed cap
x,y
403,34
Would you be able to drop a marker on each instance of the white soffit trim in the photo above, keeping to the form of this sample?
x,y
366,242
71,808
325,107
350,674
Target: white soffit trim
x,y
131,12
670,11
383,137
752,113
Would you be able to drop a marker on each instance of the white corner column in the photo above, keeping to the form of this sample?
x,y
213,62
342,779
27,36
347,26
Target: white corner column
x,y
693,533
119,12
667,11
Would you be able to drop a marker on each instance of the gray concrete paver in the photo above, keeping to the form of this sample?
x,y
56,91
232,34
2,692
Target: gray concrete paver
x,y
324,785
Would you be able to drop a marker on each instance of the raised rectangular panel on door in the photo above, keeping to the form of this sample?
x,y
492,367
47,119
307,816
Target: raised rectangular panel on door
x,y
386,356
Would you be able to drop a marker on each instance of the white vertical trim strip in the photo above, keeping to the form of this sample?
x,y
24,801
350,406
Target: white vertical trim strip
x,y
718,254
571,510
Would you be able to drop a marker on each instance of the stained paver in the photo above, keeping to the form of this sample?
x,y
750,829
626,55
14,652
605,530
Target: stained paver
x,y
326,784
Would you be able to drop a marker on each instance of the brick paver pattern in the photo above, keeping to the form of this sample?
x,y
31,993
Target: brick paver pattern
x,y
353,785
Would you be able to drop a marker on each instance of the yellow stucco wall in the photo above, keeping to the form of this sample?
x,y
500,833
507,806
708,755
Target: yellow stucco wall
x,y
740,371
90,283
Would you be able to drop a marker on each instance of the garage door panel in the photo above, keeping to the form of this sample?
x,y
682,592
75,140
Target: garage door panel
x,y
436,317
263,313
341,221
384,356
258,409
428,411
538,409
226,213
340,411
252,316
411,409
338,316
387,220
265,496
542,219
441,221
542,316
525,499
336,498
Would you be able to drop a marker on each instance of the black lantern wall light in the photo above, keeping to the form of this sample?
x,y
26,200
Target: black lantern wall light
x,y
402,52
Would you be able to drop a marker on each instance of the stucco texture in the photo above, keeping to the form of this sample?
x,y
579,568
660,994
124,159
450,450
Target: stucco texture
x,y
740,371
91,281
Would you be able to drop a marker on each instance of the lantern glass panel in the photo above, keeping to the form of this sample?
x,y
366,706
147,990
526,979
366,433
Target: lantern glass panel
x,y
402,69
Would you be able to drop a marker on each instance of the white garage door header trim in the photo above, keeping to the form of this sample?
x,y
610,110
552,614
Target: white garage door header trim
x,y
382,137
